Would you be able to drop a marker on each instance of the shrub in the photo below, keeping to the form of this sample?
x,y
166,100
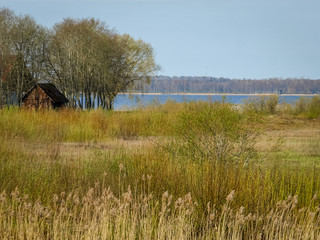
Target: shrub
x,y
261,104
310,107
214,131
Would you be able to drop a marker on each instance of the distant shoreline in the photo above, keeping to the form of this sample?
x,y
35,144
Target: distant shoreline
x,y
221,94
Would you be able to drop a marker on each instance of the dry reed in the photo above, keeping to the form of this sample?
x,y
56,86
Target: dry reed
x,y
99,214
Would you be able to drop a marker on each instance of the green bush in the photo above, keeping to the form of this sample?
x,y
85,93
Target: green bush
x,y
309,106
214,131
261,104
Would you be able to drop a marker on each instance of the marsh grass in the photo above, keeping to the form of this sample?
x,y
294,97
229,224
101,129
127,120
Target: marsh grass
x,y
91,126
100,214
309,107
269,104
74,175
265,104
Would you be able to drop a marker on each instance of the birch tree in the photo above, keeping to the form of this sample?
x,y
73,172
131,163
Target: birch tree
x,y
90,62
6,23
133,65
23,43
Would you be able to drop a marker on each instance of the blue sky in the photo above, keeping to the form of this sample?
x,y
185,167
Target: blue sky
x,y
219,38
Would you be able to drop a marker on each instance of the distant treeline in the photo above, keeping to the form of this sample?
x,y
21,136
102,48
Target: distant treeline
x,y
165,84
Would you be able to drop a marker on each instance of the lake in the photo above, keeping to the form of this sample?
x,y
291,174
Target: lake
x,y
125,102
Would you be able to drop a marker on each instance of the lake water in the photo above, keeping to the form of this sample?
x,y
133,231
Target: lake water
x,y
125,102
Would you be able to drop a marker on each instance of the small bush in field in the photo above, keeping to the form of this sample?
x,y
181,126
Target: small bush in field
x,y
310,107
314,110
215,131
261,104
305,107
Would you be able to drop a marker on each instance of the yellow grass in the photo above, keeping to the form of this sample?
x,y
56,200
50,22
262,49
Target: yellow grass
x,y
123,175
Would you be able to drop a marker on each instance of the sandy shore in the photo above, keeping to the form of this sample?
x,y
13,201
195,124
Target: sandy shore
x,y
219,94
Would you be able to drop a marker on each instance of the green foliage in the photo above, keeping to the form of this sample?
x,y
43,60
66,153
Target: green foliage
x,y
76,126
214,131
310,107
261,104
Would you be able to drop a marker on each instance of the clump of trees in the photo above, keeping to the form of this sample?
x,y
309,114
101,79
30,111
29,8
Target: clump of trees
x,y
86,60
22,43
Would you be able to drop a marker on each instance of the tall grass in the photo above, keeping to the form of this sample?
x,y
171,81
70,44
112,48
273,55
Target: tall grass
x,y
101,215
306,107
77,126
191,180
262,104
41,175
310,107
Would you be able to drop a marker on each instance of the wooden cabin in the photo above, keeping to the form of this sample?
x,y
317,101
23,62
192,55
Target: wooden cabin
x,y
44,96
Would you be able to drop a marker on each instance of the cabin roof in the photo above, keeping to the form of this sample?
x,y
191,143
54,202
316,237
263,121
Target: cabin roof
x,y
53,93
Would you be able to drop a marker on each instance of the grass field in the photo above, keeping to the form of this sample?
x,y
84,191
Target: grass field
x,y
175,171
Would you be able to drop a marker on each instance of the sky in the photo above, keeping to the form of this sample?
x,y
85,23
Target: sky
x,y
217,38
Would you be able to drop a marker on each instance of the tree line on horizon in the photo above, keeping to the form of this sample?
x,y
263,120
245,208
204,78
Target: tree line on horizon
x,y
84,58
189,84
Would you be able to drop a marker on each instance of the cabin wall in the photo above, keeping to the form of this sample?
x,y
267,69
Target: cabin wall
x,y
37,99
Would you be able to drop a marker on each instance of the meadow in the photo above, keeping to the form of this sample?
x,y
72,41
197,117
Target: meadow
x,y
174,171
